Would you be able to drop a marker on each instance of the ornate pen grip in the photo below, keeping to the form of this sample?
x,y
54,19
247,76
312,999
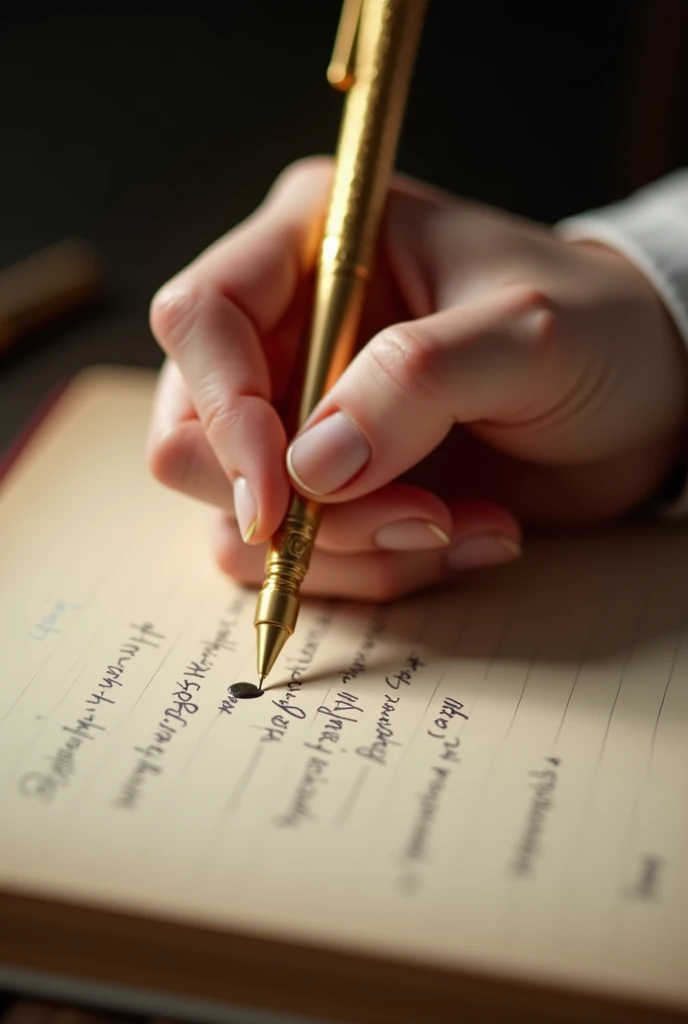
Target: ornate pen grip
x,y
286,564
293,543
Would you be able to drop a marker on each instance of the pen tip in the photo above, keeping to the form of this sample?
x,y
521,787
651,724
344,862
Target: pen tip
x,y
261,680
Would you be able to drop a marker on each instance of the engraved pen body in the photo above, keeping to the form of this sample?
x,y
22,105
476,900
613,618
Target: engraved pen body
x,y
385,47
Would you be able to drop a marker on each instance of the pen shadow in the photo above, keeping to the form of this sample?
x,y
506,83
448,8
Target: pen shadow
x,y
593,597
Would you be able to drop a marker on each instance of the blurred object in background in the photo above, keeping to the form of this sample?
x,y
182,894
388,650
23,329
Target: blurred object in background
x,y
46,287
28,1011
655,122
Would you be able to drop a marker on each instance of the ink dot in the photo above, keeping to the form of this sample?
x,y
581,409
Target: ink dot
x,y
245,691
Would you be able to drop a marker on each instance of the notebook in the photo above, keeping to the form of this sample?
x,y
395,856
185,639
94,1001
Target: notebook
x,y
468,805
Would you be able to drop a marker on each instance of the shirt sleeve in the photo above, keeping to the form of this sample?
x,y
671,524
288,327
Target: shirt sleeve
x,y
650,229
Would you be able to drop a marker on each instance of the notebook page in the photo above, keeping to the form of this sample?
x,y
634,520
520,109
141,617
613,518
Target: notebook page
x,y
491,776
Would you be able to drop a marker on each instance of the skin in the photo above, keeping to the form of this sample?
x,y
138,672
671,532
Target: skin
x,y
506,379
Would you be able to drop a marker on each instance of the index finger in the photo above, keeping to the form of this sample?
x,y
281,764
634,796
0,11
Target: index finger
x,y
213,319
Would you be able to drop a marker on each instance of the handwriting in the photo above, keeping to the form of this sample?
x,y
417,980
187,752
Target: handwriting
x,y
406,673
183,703
44,785
130,790
277,729
646,885
289,708
372,635
428,805
146,637
529,844
228,703
384,733
446,750
334,721
48,624
314,776
451,708
297,666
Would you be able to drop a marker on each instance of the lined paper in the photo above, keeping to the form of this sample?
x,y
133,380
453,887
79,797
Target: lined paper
x,y
492,775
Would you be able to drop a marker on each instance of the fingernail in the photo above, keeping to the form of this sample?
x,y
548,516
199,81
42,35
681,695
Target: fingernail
x,y
480,552
245,508
328,455
411,535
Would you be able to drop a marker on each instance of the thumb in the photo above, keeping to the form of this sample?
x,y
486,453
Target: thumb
x,y
411,383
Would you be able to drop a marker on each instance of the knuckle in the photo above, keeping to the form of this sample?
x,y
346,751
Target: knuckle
x,y
534,305
217,417
545,328
310,171
408,359
223,417
529,299
172,312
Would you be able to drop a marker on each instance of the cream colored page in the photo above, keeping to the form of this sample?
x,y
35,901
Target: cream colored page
x,y
492,776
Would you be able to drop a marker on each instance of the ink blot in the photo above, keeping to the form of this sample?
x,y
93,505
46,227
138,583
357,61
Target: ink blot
x,y
245,691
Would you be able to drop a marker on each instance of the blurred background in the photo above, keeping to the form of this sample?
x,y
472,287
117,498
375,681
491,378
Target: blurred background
x,y
152,128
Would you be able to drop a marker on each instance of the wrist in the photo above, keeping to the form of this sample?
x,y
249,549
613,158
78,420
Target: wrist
x,y
667,453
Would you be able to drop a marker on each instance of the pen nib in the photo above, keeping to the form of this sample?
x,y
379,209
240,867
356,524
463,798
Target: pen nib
x,y
261,680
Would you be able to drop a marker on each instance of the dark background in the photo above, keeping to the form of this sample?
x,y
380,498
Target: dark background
x,y
151,128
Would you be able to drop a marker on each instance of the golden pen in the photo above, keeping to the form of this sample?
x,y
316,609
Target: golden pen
x,y
372,61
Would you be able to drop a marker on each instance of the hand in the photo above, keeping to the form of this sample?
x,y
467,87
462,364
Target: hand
x,y
510,379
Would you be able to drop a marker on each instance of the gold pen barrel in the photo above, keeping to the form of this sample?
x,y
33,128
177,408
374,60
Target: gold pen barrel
x,y
337,314
386,44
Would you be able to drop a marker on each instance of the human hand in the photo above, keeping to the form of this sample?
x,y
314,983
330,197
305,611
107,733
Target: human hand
x,y
511,379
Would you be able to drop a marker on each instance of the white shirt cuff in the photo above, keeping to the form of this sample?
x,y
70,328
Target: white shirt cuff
x,y
651,230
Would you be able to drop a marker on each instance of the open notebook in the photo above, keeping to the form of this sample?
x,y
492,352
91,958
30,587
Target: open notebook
x,y
467,806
